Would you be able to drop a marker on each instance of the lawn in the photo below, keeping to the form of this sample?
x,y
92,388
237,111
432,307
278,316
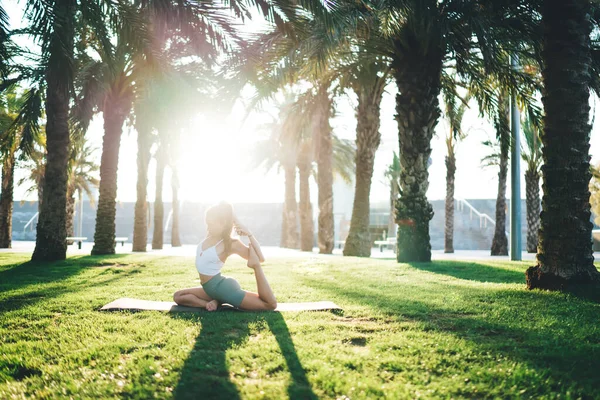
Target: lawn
x,y
438,330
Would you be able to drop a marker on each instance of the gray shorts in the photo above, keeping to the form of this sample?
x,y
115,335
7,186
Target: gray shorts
x,y
224,290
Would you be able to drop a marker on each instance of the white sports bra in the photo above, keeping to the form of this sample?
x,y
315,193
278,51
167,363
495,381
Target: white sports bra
x,y
208,261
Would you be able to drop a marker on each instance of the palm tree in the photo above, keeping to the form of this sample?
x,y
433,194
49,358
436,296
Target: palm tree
x,y
393,175
454,114
36,167
280,150
322,131
173,156
500,241
145,138
54,25
108,85
10,105
58,45
82,178
565,254
368,85
159,208
532,155
307,233
499,158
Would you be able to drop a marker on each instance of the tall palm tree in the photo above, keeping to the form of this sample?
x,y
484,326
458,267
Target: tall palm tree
x,y
307,233
565,249
161,157
82,178
532,155
36,167
173,156
368,85
10,104
108,85
500,241
58,41
500,147
53,24
145,139
392,173
454,114
322,131
280,150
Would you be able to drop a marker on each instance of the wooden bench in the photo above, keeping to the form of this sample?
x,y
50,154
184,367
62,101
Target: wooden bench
x,y
76,239
385,243
121,240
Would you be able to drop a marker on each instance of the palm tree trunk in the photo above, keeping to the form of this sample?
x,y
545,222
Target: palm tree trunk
x,y
532,183
449,228
324,170
70,212
175,238
500,241
307,232
565,254
358,243
50,242
140,219
158,235
392,219
6,200
114,117
40,192
289,227
417,77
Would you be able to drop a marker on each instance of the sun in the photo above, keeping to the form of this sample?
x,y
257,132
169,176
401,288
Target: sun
x,y
214,164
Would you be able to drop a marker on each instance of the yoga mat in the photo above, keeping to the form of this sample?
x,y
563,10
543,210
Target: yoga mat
x,y
141,305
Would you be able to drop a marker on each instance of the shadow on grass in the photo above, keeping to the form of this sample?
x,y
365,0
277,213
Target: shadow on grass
x,y
472,271
552,334
34,282
205,374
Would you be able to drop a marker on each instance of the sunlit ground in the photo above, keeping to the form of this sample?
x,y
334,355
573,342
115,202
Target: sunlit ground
x,y
445,329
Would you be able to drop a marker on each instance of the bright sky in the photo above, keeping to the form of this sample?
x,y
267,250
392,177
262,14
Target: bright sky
x,y
214,163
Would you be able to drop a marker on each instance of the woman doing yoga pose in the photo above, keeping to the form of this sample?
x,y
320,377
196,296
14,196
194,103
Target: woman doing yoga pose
x,y
212,253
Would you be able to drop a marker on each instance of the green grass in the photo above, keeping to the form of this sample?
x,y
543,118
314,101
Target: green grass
x,y
439,330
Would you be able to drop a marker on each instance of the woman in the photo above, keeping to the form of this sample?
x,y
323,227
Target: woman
x,y
212,253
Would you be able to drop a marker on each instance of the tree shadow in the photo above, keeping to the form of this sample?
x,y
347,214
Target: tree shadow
x,y
34,282
18,275
562,349
205,373
472,271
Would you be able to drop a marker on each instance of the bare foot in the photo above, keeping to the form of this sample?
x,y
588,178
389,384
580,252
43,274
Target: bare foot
x,y
212,305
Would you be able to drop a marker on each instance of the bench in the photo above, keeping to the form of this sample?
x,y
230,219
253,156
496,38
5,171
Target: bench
x,y
385,243
121,240
76,239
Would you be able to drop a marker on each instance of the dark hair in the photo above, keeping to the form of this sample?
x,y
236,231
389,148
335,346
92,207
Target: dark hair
x,y
219,222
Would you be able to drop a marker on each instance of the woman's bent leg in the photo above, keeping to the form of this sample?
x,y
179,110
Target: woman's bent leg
x,y
195,297
264,299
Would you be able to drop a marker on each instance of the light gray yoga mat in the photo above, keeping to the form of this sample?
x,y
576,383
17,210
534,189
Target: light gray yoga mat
x,y
141,305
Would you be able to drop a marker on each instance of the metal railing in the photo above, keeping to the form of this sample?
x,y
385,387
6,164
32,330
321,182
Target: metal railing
x,y
30,222
483,218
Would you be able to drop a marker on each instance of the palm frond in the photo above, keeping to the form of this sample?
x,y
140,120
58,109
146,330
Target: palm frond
x,y
344,156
